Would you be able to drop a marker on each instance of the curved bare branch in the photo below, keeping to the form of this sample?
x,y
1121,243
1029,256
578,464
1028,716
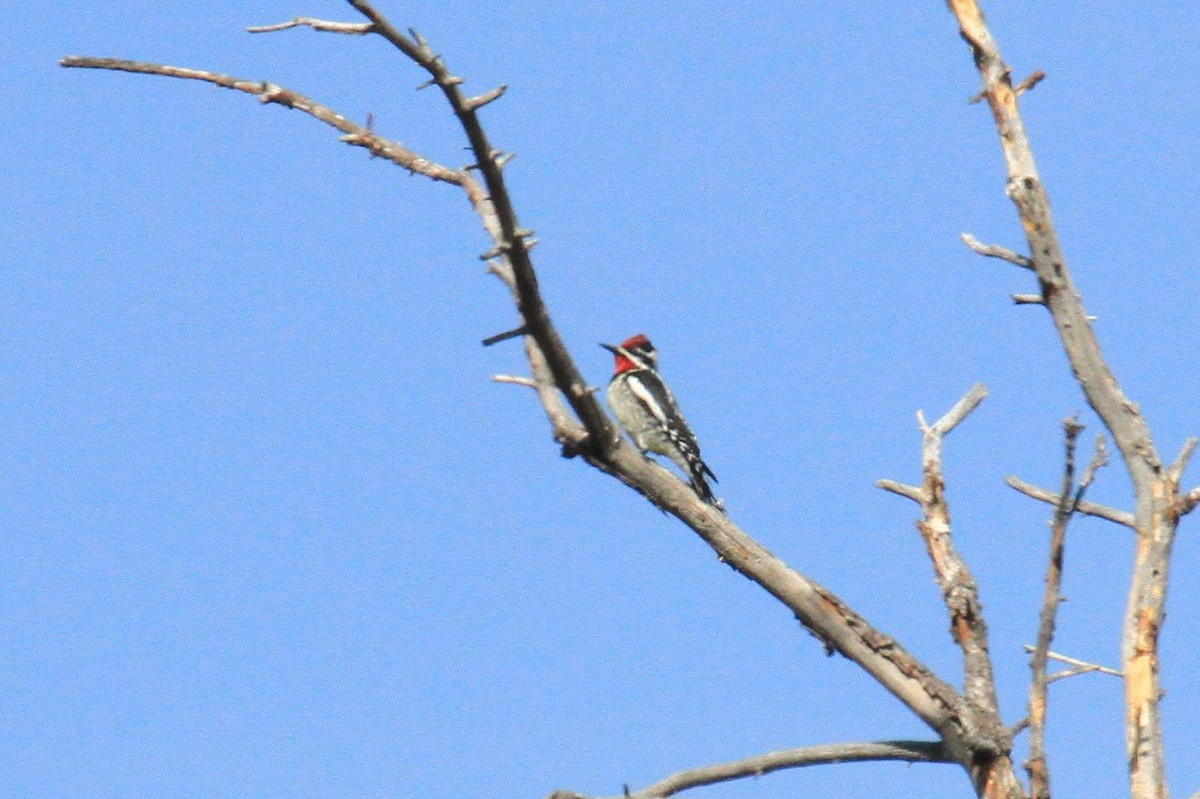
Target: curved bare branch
x,y
822,755
584,429
823,613
357,135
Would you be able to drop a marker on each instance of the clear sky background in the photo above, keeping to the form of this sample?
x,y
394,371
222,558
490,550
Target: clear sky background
x,y
270,531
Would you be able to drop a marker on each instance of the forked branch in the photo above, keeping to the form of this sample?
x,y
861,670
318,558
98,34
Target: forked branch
x,y
1158,501
960,591
968,736
1025,187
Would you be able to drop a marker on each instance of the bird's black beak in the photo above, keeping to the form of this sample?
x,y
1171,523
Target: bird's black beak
x,y
611,348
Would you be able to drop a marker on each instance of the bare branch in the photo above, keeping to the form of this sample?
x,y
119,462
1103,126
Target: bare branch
x,y
579,424
996,251
475,103
1180,464
498,217
505,229
567,431
1028,299
1188,502
1027,192
270,93
1035,765
1123,518
953,417
960,591
1099,461
1082,665
1067,674
505,336
1031,81
1066,503
902,489
1157,496
328,26
515,380
905,751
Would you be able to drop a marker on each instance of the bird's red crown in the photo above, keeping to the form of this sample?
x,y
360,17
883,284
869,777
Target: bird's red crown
x,y
638,346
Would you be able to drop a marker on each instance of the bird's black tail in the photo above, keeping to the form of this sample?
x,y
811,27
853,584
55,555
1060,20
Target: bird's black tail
x,y
700,484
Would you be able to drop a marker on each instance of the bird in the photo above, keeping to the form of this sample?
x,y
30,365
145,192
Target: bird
x,y
649,414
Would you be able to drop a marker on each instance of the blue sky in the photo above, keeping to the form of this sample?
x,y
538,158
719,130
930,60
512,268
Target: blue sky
x,y
270,531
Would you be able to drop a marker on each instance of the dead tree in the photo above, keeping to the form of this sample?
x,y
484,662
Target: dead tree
x,y
967,726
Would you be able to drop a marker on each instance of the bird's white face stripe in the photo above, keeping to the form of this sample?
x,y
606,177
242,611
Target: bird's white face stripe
x,y
640,359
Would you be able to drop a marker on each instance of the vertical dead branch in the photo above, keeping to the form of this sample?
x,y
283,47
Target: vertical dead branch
x,y
1158,502
992,769
959,588
1068,500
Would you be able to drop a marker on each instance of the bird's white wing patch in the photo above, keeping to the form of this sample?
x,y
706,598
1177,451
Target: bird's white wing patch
x,y
647,399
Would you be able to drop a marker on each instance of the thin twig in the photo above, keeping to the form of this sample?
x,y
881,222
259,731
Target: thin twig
x,y
515,380
1066,674
996,251
505,336
1180,464
902,489
1099,461
1082,664
1080,667
1189,501
953,417
475,103
1033,80
1123,518
328,26
566,429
